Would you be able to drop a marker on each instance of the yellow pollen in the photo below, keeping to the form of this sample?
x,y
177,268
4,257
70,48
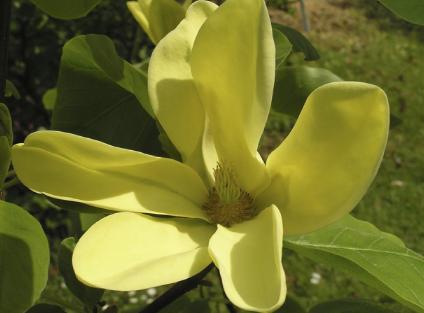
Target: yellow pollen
x,y
227,203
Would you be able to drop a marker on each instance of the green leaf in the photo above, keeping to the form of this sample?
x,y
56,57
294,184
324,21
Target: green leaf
x,y
66,9
6,140
300,42
24,259
294,84
6,123
45,308
349,306
166,144
5,158
283,47
76,206
88,219
394,121
49,99
410,10
379,259
89,296
11,90
103,97
185,304
291,306
143,66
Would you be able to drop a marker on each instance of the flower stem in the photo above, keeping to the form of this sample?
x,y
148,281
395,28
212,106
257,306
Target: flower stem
x,y
5,10
176,291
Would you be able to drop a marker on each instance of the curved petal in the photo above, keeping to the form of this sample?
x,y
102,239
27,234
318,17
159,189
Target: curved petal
x,y
210,155
234,75
173,94
158,17
164,16
326,164
71,167
248,256
186,3
140,12
130,251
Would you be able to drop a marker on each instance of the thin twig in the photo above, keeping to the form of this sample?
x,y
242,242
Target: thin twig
x,y
176,291
305,17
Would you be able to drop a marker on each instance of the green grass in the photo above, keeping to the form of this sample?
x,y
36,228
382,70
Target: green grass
x,y
360,49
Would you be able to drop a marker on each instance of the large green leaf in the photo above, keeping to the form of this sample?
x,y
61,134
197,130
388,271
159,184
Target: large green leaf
x,y
103,97
349,306
300,42
88,219
5,158
49,99
6,140
410,10
283,47
368,254
185,304
291,306
45,308
76,206
24,259
11,90
66,9
293,84
89,296
6,123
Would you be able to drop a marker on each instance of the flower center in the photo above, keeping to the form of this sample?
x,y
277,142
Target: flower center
x,y
227,203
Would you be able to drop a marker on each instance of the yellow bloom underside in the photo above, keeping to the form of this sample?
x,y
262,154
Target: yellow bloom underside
x,y
210,84
158,17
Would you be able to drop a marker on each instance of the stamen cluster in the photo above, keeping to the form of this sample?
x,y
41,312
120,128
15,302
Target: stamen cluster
x,y
227,203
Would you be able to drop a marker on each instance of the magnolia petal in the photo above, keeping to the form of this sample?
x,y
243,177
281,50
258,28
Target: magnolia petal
x,y
326,164
173,94
140,11
187,3
248,256
130,251
210,156
158,17
234,75
164,16
71,167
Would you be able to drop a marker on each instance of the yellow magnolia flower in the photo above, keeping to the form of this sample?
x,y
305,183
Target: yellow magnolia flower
x,y
210,84
158,17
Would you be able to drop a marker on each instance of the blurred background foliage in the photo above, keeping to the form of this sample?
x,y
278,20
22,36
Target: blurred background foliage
x,y
36,41
357,40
